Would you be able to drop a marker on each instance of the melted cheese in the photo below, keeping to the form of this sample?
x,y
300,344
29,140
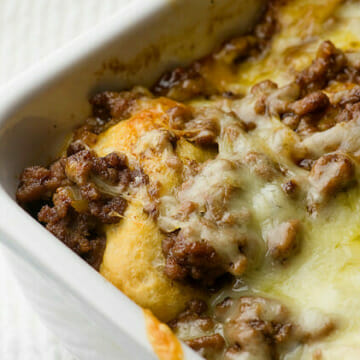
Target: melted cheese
x,y
325,274
304,25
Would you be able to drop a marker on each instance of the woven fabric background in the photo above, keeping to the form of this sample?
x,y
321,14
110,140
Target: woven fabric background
x,y
29,30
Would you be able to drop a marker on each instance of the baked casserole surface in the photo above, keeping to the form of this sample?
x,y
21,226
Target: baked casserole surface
x,y
226,199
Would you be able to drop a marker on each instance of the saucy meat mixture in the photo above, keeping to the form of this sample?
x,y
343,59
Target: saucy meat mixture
x,y
274,153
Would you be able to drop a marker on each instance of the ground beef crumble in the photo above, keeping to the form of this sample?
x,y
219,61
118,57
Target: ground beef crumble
x,y
184,83
207,342
248,327
67,199
303,105
190,260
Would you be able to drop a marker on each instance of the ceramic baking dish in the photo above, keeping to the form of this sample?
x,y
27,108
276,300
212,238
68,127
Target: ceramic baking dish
x,y
93,319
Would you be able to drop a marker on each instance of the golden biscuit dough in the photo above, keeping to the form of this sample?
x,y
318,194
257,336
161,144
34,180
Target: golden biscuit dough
x,y
164,342
133,259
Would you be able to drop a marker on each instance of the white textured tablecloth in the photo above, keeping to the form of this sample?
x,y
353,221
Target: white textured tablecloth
x,y
29,30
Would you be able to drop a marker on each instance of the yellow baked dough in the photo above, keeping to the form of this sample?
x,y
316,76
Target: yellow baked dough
x,y
133,259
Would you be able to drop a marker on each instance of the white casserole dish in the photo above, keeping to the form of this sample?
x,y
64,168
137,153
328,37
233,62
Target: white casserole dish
x,y
93,318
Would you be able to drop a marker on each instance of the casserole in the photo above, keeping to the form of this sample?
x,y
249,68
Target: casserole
x,y
49,100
